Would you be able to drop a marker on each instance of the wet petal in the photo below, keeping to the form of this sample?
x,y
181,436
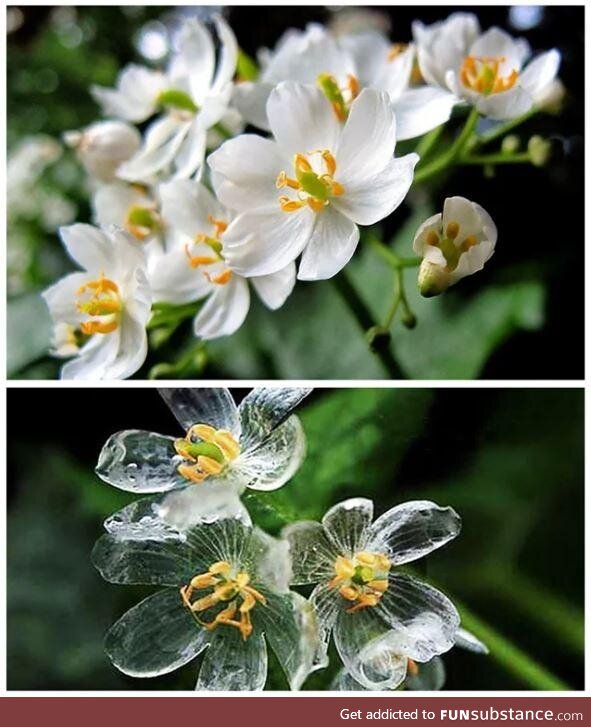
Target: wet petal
x,y
313,555
155,637
469,642
411,530
429,678
347,524
263,409
215,407
233,664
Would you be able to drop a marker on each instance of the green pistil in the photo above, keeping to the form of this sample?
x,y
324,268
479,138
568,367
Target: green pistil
x,y
202,449
313,185
363,574
450,252
333,93
139,216
175,99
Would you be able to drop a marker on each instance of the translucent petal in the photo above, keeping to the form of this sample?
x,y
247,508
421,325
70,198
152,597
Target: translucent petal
x,y
427,618
155,637
233,664
139,461
264,409
215,407
411,530
150,561
226,539
469,642
289,624
347,524
367,650
273,463
269,560
429,678
313,555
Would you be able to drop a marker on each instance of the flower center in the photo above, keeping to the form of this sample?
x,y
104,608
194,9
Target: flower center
x,y
227,587
314,189
141,221
362,579
99,299
447,242
339,98
213,241
206,451
173,98
396,50
484,75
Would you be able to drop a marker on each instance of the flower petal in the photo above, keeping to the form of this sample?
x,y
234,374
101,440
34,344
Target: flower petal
x,y
191,153
138,461
429,678
469,642
268,466
233,664
347,525
274,289
313,555
540,72
413,529
301,119
420,110
134,99
264,409
61,297
195,58
94,358
155,637
228,55
162,142
88,246
251,100
369,200
422,614
187,205
331,245
133,339
496,43
215,407
224,311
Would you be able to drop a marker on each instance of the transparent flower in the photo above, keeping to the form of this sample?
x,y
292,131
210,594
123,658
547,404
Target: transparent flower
x,y
193,265
427,677
453,244
307,190
361,597
190,97
226,593
343,66
227,448
102,147
486,70
107,306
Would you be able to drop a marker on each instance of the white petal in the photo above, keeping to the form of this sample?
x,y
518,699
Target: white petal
x,y
224,311
215,407
162,142
251,100
540,72
88,246
274,289
133,347
421,109
313,555
246,169
507,105
347,525
93,359
368,139
495,43
467,640
412,530
187,206
232,663
135,96
173,280
61,298
266,241
191,153
228,55
333,241
195,57
369,200
301,119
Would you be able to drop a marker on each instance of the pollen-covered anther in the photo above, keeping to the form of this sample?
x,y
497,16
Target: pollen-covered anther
x,y
396,50
484,74
206,451
101,300
362,580
227,587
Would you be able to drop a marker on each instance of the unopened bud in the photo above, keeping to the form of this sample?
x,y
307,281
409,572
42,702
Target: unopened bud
x,y
433,279
539,150
552,98
409,320
510,144
103,146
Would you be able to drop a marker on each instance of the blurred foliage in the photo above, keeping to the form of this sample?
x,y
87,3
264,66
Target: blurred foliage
x,y
510,461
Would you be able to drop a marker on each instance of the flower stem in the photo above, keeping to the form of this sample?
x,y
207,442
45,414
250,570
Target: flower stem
x,y
362,315
395,261
500,158
428,141
501,129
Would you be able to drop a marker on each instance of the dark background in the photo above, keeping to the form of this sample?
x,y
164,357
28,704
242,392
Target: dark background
x,y
510,461
539,212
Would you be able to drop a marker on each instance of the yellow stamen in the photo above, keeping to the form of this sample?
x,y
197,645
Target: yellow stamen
x,y
206,451
99,298
362,579
432,238
452,230
222,278
397,49
483,75
314,189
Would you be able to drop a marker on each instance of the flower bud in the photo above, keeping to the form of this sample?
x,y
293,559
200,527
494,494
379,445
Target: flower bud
x,y
378,338
539,150
551,100
433,279
103,146
510,144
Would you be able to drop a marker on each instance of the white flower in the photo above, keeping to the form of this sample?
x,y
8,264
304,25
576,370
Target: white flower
x,y
225,449
108,304
194,93
225,593
349,63
102,147
486,70
453,244
194,265
360,596
307,190
129,206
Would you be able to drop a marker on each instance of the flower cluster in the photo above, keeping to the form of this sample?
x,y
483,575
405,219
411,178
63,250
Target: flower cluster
x,y
227,585
176,226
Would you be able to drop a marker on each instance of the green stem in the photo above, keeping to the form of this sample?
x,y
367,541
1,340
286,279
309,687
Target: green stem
x,y
502,129
362,315
427,143
510,657
402,292
449,157
394,305
500,158
395,261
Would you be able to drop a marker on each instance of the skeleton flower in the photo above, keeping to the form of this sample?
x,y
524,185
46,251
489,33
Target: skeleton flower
x,y
453,244
226,448
428,677
307,191
344,66
194,264
102,312
486,70
226,593
190,97
360,596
